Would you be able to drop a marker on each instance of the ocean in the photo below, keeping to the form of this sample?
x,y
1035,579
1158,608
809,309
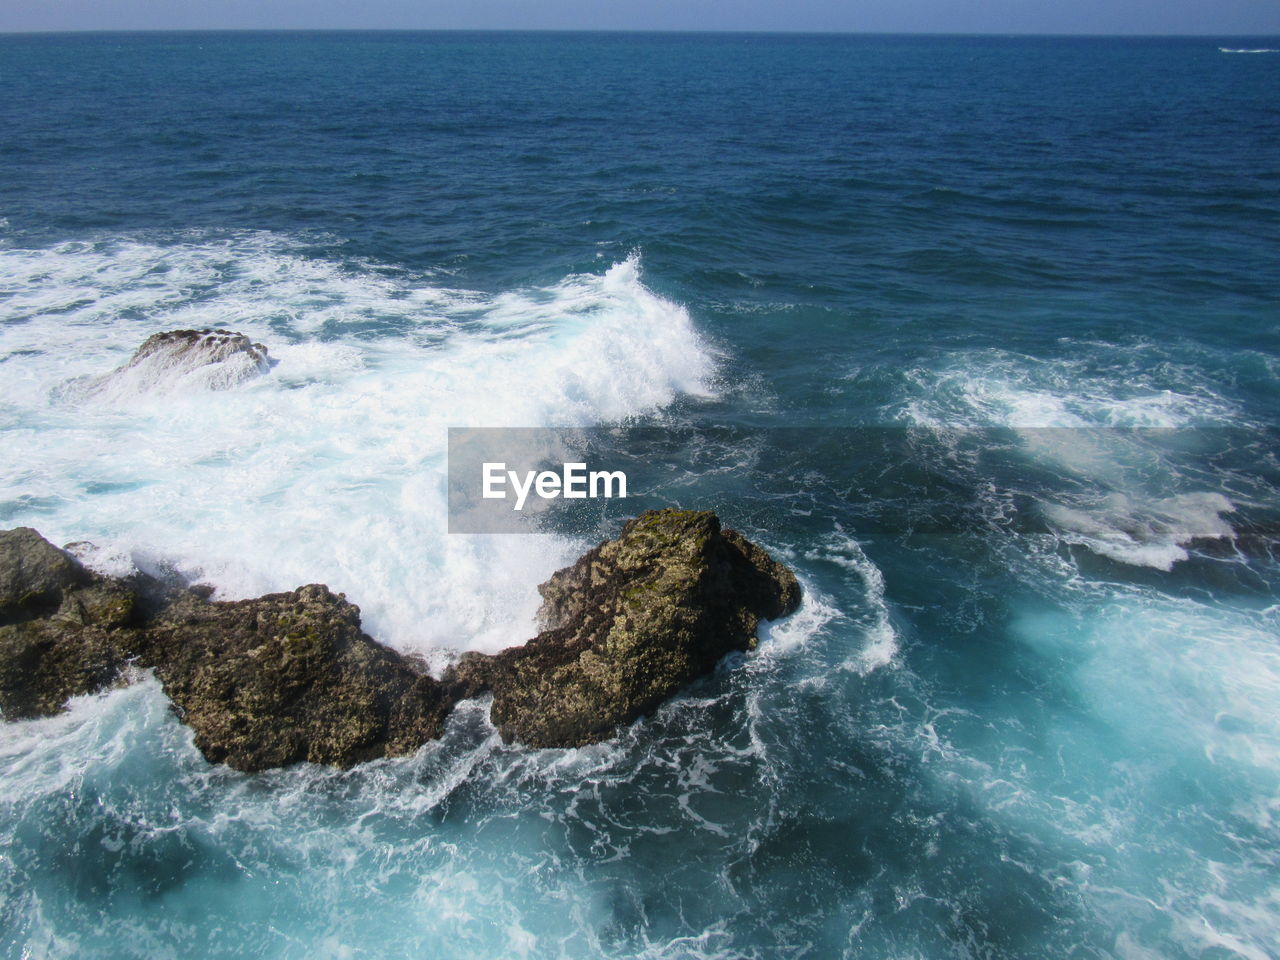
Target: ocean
x,y
980,335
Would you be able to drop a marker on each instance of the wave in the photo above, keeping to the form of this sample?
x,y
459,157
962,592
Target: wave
x,y
1133,386
1132,451
1111,444
1148,533
330,466
1244,50
1189,688
868,617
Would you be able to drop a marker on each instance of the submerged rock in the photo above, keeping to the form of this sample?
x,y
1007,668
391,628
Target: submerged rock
x,y
290,677
175,359
34,574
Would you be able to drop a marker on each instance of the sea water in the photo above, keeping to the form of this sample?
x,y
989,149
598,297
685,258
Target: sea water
x,y
993,322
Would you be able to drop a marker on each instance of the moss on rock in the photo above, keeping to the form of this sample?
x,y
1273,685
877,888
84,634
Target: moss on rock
x,y
289,677
631,623
34,575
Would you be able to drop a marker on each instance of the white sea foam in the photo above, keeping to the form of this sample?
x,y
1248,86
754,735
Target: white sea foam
x,y
985,388
1173,722
330,467
1149,533
792,633
868,616
1246,50
1096,420
1186,676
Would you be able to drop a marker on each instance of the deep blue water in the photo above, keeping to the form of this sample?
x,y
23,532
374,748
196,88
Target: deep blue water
x,y
1021,294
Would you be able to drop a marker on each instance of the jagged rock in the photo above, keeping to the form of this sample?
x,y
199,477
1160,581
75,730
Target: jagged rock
x,y
43,663
263,683
206,359
630,624
33,574
59,626
290,676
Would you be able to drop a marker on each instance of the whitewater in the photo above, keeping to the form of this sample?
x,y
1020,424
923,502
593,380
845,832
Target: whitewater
x,y
331,468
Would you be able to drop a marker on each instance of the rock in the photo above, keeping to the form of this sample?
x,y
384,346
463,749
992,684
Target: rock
x,y
262,683
290,677
33,574
175,359
43,663
630,624
58,626
194,348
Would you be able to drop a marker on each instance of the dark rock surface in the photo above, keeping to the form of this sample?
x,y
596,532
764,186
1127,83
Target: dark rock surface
x,y
33,574
630,624
209,359
58,626
290,677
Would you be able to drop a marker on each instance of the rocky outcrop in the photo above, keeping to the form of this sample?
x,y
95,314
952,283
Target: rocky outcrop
x,y
175,359
630,624
262,683
290,676
195,348
59,626
34,574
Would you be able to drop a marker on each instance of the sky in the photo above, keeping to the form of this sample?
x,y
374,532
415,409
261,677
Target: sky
x,y
1212,17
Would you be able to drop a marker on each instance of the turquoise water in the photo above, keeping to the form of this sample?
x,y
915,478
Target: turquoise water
x,y
1020,294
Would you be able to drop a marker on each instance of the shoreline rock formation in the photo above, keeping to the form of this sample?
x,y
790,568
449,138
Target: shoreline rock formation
x,y
291,677
631,623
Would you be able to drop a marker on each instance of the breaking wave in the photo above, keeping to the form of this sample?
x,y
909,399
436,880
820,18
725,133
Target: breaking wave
x,y
329,467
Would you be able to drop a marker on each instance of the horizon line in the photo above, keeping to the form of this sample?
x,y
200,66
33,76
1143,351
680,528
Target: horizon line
x,y
639,30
